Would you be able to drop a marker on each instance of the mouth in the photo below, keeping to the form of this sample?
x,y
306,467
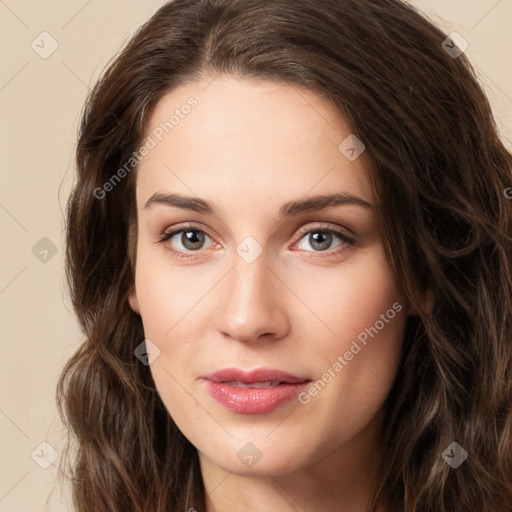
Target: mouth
x,y
253,385
259,378
257,392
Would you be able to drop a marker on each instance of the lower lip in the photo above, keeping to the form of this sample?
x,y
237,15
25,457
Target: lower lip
x,y
253,400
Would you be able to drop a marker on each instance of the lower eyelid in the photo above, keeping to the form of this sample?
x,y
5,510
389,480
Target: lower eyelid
x,y
346,241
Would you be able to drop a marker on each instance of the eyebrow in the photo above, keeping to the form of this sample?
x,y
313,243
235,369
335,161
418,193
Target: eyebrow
x,y
291,208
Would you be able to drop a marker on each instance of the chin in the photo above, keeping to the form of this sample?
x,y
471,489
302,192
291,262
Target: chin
x,y
259,458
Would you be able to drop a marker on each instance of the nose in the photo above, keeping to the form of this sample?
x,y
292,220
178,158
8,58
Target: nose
x,y
253,302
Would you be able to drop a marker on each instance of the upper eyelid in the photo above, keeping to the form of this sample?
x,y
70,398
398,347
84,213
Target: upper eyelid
x,y
324,226
321,226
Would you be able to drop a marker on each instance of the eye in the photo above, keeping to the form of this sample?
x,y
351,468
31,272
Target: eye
x,y
192,239
320,239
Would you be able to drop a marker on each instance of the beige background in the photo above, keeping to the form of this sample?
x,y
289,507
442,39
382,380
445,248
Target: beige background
x,y
40,103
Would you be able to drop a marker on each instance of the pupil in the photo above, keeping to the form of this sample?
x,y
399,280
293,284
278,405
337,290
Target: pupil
x,y
316,238
192,238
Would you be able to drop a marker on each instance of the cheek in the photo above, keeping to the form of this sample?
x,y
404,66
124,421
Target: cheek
x,y
165,292
166,299
349,301
170,298
370,320
365,313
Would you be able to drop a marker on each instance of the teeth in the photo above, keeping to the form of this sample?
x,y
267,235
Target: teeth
x,y
238,384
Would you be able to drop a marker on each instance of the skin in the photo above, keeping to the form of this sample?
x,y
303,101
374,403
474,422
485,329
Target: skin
x,y
248,147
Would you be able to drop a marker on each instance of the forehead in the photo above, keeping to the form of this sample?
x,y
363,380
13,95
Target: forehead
x,y
247,138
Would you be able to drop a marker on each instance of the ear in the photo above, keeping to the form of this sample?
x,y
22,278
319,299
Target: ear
x,y
132,300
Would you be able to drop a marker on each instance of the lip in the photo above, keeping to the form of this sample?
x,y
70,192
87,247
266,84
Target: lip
x,y
253,400
258,375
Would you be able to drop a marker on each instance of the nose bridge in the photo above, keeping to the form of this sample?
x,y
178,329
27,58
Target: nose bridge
x,y
250,305
250,278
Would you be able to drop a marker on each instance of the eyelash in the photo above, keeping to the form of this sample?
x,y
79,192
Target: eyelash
x,y
348,242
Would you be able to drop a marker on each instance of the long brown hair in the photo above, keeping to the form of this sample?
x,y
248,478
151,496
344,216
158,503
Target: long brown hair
x,y
441,173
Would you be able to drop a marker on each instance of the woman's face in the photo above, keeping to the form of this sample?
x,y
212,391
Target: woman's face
x,y
263,276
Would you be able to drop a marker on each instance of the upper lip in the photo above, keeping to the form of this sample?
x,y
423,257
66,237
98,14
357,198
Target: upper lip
x,y
258,375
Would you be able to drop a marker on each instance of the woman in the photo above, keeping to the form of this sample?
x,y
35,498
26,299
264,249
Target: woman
x,y
289,246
